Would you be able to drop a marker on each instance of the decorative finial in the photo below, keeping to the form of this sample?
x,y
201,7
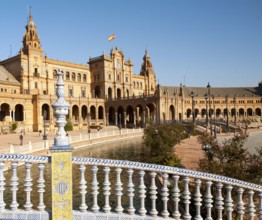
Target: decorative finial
x,y
30,15
60,107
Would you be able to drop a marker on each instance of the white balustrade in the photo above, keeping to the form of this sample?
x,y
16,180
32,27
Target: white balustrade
x,y
83,207
145,185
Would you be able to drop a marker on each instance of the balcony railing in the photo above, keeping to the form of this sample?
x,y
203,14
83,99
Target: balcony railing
x,y
170,192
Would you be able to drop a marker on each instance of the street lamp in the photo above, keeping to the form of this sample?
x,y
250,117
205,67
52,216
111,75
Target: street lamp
x,y
235,116
88,123
227,113
193,109
214,107
44,116
206,96
208,90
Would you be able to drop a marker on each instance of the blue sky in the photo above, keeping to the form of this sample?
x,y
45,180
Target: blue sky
x,y
189,41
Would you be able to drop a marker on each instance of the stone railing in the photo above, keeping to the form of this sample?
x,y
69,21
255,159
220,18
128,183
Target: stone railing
x,y
38,146
133,190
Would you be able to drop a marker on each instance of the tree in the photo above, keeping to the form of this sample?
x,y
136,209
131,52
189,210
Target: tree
x,y
159,142
232,159
69,126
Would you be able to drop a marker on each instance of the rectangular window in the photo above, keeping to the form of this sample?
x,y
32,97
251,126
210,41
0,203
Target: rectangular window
x,y
83,92
36,85
70,91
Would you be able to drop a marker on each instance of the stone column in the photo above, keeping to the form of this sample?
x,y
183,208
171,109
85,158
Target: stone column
x,y
13,115
61,159
116,118
24,119
134,119
125,119
10,115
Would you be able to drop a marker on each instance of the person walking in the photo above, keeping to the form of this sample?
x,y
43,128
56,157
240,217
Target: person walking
x,y
21,137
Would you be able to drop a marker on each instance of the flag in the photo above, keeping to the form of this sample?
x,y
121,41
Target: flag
x,y
112,37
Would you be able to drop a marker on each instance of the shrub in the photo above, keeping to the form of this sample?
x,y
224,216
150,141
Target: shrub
x,y
14,126
69,126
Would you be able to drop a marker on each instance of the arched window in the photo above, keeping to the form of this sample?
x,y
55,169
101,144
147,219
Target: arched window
x,y
67,76
84,77
54,74
73,76
79,77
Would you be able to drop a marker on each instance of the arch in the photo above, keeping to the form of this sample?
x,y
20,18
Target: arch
x,y
109,93
171,112
46,108
100,112
233,112
120,116
225,112
93,112
258,112
84,77
188,113
118,93
249,112
73,76
54,74
84,112
19,113
129,114
67,76
196,112
150,113
203,112
79,77
4,111
75,112
111,116
97,92
218,112
241,112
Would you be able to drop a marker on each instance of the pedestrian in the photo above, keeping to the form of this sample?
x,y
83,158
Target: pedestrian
x,y
21,137
40,133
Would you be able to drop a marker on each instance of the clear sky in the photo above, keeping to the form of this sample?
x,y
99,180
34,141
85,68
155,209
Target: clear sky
x,y
189,41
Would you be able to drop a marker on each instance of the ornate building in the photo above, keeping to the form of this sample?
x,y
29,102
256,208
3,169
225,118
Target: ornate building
x,y
106,91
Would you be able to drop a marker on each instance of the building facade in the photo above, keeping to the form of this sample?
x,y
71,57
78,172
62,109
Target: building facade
x,y
106,91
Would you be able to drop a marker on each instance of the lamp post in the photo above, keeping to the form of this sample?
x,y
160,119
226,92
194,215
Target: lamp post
x,y
206,96
88,123
208,90
235,116
44,116
193,109
227,113
214,107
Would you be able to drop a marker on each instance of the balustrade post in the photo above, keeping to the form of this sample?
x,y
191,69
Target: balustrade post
x,y
130,192
219,201
208,200
28,187
164,194
251,206
95,189
229,202
142,193
175,195
118,188
41,187
14,183
186,198
198,199
240,204
107,189
2,186
83,207
260,206
153,193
